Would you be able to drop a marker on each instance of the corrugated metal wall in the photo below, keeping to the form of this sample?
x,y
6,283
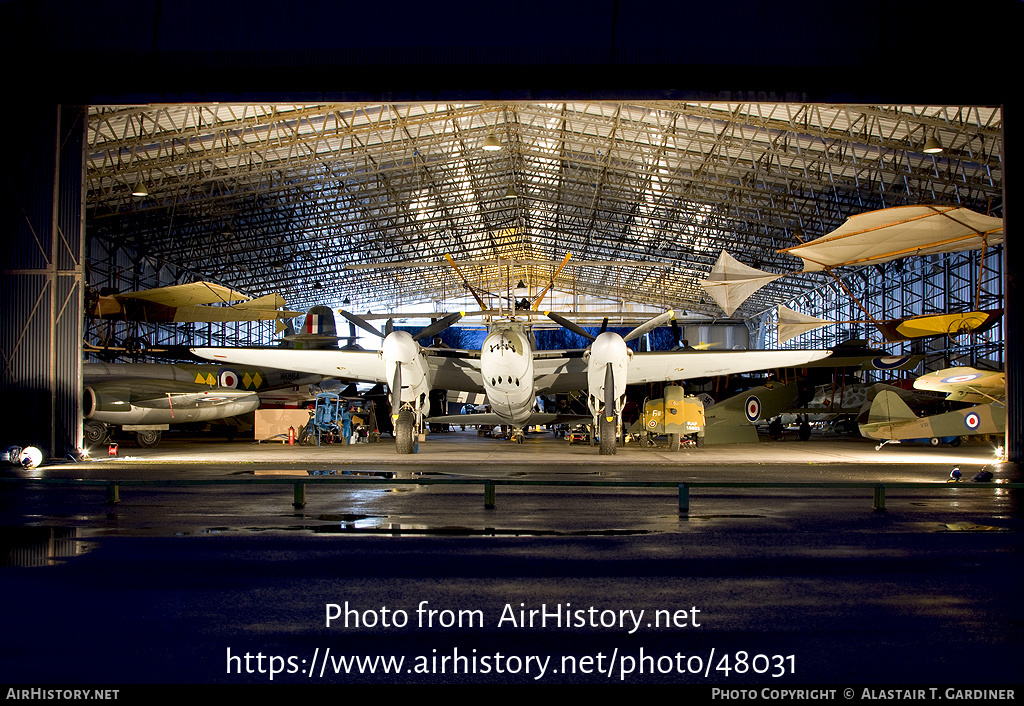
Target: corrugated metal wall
x,y
41,235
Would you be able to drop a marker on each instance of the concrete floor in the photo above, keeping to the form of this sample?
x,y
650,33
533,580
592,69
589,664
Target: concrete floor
x,y
809,586
463,448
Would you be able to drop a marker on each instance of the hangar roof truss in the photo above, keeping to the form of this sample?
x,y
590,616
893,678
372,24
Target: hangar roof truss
x,y
268,198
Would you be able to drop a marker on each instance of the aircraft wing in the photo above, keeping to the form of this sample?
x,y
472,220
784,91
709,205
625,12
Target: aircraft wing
x,y
965,384
201,313
203,398
455,369
684,365
365,366
186,294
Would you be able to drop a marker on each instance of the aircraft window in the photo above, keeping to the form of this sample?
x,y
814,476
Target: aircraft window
x,y
492,382
517,382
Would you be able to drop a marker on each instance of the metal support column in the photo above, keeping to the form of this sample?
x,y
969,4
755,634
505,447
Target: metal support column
x,y
1013,289
41,285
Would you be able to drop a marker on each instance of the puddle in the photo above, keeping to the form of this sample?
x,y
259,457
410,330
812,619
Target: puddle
x,y
40,546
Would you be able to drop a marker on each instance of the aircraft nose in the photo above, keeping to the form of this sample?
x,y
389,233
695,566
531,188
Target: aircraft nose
x,y
399,346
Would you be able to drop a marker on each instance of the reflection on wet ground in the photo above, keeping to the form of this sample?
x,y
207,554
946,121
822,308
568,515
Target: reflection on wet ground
x,y
161,585
356,492
40,546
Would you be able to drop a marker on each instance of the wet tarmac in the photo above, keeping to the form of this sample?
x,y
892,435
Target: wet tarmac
x,y
176,584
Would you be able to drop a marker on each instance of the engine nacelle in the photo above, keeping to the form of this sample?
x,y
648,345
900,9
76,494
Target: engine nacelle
x,y
399,349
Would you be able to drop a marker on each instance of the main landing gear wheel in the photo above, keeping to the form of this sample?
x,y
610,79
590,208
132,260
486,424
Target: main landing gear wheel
x,y
607,437
403,431
147,439
94,432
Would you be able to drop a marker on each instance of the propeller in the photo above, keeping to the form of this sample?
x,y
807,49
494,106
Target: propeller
x,y
438,326
361,323
389,327
659,320
396,391
609,393
565,323
677,335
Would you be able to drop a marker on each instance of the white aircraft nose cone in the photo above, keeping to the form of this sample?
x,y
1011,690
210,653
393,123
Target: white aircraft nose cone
x,y
609,346
399,346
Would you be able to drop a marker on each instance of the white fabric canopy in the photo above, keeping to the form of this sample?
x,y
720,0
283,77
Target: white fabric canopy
x,y
731,282
902,231
793,323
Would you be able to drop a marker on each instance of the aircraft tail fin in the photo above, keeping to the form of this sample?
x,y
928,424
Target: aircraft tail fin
x,y
320,320
889,407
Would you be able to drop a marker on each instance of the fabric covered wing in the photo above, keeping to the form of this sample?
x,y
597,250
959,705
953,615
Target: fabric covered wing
x,y
897,232
187,294
684,365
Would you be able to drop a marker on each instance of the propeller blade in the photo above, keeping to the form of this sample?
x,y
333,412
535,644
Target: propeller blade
x,y
389,327
609,393
360,323
396,391
565,323
551,283
604,325
659,320
464,282
677,333
438,326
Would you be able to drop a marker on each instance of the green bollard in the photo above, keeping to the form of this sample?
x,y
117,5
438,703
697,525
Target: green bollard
x,y
879,504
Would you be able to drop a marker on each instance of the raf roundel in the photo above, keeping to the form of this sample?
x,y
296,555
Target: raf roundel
x,y
753,409
961,378
228,378
972,420
890,362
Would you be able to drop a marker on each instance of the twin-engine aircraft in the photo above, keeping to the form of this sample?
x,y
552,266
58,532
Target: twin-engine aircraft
x,y
509,371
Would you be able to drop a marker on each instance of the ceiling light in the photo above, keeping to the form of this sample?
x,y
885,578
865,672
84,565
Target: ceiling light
x,y
510,192
140,190
491,143
521,285
932,145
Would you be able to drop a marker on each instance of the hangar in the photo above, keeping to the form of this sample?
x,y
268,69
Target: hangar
x,y
289,197
268,149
